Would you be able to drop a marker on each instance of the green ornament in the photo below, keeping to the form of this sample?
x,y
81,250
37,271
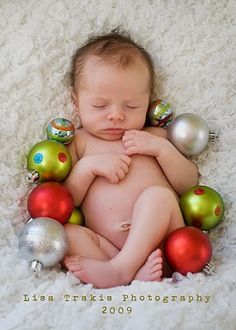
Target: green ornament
x,y
76,217
48,161
202,207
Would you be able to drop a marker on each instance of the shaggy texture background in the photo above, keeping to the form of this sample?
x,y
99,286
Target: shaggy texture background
x,y
192,44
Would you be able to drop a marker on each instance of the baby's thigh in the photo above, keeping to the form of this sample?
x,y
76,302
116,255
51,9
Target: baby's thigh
x,y
81,239
107,247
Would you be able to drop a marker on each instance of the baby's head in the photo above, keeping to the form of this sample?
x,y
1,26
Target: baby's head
x,y
112,81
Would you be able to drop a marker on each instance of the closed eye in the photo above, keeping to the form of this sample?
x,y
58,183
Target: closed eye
x,y
130,107
99,106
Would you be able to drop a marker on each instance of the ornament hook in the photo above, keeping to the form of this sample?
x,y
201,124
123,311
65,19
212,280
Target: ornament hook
x,y
32,176
36,266
209,269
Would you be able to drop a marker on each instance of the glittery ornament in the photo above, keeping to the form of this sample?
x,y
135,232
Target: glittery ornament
x,y
43,243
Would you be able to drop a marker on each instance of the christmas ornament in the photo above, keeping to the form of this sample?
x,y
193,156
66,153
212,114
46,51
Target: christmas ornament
x,y
61,130
159,113
189,133
43,243
48,160
202,207
76,217
51,199
187,249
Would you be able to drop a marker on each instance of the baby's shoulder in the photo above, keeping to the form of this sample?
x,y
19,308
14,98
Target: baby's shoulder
x,y
158,131
80,141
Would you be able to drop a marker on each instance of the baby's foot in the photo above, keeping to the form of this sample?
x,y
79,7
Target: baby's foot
x,y
152,269
102,274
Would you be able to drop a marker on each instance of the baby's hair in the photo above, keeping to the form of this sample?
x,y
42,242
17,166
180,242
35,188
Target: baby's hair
x,y
115,47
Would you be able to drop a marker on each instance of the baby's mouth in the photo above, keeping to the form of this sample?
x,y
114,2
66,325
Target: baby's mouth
x,y
114,131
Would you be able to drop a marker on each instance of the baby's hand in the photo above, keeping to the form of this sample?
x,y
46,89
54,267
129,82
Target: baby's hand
x,y
141,142
111,166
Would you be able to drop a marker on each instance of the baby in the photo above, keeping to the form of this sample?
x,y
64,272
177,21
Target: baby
x,y
125,177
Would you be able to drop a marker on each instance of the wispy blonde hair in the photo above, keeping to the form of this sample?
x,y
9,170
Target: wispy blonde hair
x,y
114,47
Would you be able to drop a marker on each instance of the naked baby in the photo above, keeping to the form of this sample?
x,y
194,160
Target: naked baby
x,y
125,177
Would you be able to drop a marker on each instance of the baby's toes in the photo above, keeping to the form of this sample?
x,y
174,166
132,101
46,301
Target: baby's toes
x,y
156,268
74,266
157,275
72,262
155,262
154,255
158,252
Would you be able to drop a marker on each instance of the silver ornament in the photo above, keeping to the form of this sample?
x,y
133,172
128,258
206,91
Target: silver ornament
x,y
42,242
189,133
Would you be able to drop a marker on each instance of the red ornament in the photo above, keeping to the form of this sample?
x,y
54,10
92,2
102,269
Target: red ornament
x,y
187,249
51,199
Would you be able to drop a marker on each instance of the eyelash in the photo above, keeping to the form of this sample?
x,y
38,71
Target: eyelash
x,y
98,106
131,107
103,106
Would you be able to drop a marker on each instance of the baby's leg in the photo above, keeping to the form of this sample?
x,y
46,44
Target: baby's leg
x,y
85,243
156,213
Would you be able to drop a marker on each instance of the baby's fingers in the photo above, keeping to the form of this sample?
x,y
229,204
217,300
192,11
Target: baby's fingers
x,y
121,174
129,143
129,134
126,159
124,167
131,150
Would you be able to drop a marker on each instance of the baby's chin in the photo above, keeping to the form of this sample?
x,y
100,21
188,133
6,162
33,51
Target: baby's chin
x,y
108,136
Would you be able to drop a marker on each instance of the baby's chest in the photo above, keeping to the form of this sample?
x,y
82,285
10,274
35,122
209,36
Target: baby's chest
x,y
101,147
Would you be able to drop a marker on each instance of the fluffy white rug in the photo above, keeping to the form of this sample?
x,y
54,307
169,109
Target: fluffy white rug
x,y
192,43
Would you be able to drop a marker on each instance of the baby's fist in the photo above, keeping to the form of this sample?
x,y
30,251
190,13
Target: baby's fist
x,y
140,142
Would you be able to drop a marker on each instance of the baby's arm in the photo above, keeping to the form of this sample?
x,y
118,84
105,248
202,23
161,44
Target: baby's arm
x,y
113,167
180,171
80,177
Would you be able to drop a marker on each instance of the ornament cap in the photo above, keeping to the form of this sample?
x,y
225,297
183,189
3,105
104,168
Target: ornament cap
x,y
32,176
36,266
214,131
209,269
213,136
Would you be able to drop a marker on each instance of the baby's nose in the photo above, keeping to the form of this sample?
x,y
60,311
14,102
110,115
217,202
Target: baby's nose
x,y
116,114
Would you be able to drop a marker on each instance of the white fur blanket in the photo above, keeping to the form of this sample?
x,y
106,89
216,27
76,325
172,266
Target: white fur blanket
x,y
193,47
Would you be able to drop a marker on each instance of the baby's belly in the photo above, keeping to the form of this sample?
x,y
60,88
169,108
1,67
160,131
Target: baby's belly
x,y
108,207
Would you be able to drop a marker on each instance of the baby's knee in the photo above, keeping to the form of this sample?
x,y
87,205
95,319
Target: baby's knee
x,y
160,194
68,227
77,231
72,230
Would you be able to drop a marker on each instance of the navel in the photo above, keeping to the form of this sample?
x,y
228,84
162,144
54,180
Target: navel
x,y
125,225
